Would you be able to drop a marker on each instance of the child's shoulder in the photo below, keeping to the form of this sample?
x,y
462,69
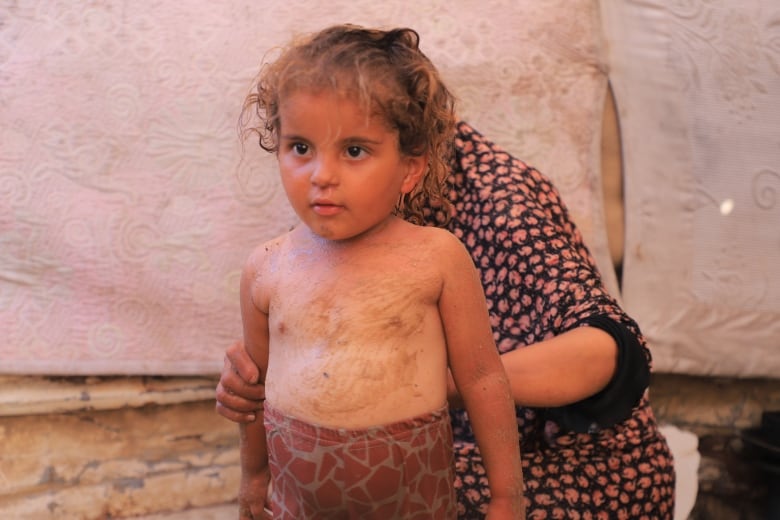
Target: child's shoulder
x,y
266,251
269,247
434,242
437,237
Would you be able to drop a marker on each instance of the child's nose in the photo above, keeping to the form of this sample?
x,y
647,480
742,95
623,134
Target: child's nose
x,y
325,173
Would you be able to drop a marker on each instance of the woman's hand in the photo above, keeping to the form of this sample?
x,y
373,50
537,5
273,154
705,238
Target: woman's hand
x,y
239,394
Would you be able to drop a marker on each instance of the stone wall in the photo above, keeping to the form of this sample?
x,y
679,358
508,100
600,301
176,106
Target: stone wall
x,y
100,448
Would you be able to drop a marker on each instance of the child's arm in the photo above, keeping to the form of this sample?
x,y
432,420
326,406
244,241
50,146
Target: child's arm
x,y
255,475
480,378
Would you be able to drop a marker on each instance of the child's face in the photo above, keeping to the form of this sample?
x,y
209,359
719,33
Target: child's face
x,y
343,172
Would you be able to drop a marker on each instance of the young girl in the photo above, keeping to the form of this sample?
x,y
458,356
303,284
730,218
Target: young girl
x,y
355,316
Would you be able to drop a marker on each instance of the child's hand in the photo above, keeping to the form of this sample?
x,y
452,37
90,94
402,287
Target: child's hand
x,y
254,496
506,508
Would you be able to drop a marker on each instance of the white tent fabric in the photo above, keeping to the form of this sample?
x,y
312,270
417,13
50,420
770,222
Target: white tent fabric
x,y
697,86
125,210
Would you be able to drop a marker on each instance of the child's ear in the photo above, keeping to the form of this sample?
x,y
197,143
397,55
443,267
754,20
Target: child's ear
x,y
415,168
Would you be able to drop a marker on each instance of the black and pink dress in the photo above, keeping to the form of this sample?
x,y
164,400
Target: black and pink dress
x,y
602,457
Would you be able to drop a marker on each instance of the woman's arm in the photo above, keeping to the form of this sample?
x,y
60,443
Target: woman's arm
x,y
556,372
561,370
589,377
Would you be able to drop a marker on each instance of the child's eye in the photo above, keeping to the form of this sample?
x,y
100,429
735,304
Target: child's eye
x,y
300,148
355,152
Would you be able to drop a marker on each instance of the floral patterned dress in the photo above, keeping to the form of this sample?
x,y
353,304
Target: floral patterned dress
x,y
540,280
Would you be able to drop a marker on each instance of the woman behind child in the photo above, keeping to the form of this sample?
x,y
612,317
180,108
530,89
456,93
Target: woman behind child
x,y
355,316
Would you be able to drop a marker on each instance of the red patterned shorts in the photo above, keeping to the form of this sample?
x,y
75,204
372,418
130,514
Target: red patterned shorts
x,y
402,470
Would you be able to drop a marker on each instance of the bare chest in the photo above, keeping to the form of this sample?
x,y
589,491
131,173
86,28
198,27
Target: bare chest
x,y
349,302
342,335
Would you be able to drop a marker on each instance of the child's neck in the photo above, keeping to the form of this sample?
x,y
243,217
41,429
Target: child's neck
x,y
376,235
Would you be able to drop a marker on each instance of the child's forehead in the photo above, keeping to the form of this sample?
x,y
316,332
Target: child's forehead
x,y
350,100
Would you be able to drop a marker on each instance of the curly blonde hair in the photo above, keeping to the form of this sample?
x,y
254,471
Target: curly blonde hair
x,y
389,75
